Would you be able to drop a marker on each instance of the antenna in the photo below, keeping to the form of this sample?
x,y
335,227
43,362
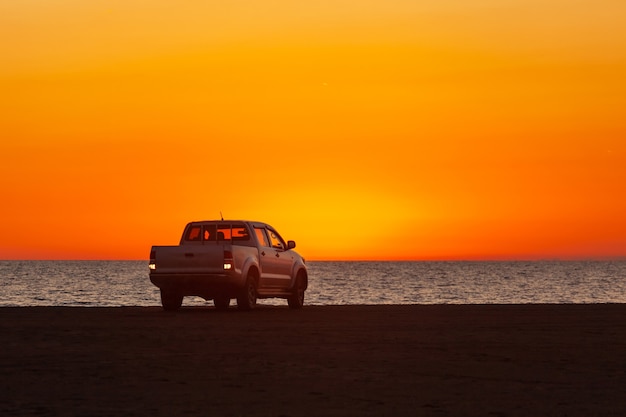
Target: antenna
x,y
221,215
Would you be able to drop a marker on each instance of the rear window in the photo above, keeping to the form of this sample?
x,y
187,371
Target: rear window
x,y
236,232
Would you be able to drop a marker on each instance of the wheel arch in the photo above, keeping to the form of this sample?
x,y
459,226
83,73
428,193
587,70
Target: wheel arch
x,y
250,266
300,271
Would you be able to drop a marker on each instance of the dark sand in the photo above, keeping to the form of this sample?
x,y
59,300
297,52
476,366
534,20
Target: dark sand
x,y
530,360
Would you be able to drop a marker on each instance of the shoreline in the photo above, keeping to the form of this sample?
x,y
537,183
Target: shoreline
x,y
344,360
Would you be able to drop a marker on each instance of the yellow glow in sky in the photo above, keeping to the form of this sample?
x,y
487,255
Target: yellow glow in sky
x,y
449,129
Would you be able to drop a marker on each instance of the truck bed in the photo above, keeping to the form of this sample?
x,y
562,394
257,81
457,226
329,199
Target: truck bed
x,y
190,259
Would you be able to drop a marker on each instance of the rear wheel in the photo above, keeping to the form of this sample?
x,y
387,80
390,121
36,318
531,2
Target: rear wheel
x,y
246,300
296,299
221,303
171,300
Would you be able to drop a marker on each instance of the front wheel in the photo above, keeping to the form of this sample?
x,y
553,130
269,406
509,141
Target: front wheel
x,y
246,299
171,300
296,299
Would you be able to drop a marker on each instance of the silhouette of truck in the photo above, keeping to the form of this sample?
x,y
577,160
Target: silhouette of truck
x,y
224,259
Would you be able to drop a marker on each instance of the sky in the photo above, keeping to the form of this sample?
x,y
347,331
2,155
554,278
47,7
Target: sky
x,y
363,130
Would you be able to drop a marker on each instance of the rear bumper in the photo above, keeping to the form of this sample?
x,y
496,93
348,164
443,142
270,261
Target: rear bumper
x,y
204,285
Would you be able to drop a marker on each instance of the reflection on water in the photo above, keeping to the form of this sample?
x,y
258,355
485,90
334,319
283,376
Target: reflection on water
x,y
126,283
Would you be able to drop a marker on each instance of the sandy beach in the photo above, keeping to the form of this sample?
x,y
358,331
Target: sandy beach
x,y
453,360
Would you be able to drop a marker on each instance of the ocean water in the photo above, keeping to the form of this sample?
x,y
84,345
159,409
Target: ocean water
x,y
126,283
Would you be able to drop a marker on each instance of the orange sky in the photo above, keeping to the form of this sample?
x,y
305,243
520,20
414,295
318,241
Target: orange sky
x,y
397,129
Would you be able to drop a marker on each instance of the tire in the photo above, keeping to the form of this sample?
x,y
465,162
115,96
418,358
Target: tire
x,y
221,303
171,300
246,299
296,299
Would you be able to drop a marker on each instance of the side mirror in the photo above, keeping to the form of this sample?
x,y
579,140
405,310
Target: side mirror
x,y
291,244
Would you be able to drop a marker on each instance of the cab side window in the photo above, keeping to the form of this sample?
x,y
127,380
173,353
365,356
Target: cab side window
x,y
277,242
262,237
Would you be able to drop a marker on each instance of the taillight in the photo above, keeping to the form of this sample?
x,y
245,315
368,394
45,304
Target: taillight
x,y
152,264
228,260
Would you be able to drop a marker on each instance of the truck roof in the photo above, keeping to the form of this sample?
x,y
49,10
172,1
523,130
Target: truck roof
x,y
229,221
225,221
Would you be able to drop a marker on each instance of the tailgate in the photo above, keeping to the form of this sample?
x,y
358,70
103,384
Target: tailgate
x,y
189,259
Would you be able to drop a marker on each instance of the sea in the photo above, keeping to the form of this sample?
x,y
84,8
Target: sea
x,y
126,283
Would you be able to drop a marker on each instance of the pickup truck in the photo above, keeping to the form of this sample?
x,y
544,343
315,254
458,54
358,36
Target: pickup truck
x,y
224,259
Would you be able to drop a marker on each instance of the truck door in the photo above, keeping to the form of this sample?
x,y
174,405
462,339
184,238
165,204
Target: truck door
x,y
283,258
269,276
